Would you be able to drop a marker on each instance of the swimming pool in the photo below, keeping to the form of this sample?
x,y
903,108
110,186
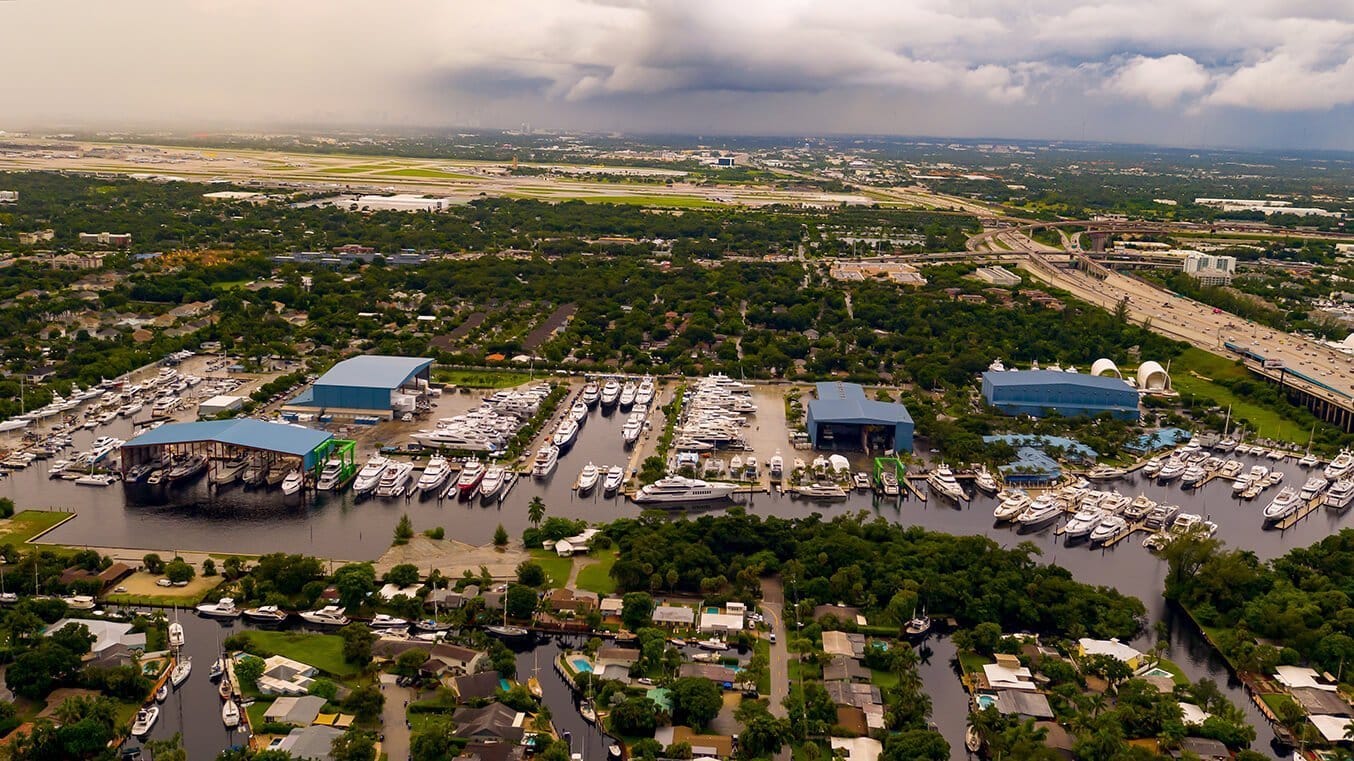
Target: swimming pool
x,y
582,666
712,611
1159,672
985,701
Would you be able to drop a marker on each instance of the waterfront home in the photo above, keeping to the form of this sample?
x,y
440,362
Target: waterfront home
x,y
857,748
298,711
313,743
577,601
106,634
284,676
481,686
1109,647
391,591
492,722
845,669
1001,676
573,545
491,750
722,621
714,746
673,616
849,644
610,608
723,676
445,599
443,659
1023,703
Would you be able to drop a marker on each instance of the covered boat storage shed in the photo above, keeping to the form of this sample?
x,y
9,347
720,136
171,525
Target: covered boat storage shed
x,y
222,440
843,418
366,388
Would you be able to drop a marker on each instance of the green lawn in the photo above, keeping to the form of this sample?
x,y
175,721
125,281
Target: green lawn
x,y
556,568
1274,700
763,647
323,651
27,524
883,679
1269,422
257,709
971,662
1176,673
596,577
480,378
685,202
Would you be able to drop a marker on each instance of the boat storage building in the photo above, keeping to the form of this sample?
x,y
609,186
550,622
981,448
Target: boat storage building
x,y
366,386
1038,393
843,418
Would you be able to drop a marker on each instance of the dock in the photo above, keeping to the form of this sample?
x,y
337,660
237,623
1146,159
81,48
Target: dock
x,y
1302,512
918,493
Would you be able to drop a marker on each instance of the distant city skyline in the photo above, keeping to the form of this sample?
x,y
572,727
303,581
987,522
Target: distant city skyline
x,y
1207,73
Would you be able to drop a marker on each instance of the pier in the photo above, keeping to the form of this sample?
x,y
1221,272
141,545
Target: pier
x,y
1302,512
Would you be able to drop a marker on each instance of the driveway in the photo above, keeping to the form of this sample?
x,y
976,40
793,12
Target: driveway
x,y
393,717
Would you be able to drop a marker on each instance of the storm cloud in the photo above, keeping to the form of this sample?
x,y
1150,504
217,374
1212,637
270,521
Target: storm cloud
x,y
1176,71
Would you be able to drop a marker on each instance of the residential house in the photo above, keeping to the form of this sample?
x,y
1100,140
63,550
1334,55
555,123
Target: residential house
x,y
1109,647
113,574
610,607
1025,703
491,750
849,644
857,748
1002,676
492,722
672,616
1203,749
284,676
844,669
578,601
107,634
311,743
298,710
481,686
721,675
722,622
714,746
451,660
444,599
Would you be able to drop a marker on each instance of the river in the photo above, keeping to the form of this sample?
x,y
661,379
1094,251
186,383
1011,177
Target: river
x,y
335,526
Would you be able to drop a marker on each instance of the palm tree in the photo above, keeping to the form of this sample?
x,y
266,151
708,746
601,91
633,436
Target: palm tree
x,y
536,511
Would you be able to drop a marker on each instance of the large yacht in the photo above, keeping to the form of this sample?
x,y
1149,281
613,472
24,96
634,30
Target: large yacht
x,y
942,481
435,473
591,394
1340,466
566,433
615,476
1340,494
469,479
1171,469
370,474
587,479
1283,505
330,476
395,480
329,615
644,393
628,392
676,489
1041,512
611,392
1111,528
223,608
492,482
545,461
1314,486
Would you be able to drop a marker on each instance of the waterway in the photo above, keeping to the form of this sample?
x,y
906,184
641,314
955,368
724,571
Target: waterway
x,y
335,526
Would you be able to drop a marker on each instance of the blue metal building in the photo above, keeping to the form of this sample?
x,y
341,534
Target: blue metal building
x,y
369,383
218,436
1040,392
843,418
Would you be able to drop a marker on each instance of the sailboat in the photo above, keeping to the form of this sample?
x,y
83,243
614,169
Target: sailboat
x,y
1308,459
176,638
504,631
230,714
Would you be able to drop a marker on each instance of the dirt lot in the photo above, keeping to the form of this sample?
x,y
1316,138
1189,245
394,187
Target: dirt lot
x,y
142,585
453,558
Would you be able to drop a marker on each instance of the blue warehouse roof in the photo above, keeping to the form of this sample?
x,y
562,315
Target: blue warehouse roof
x,y
243,432
846,403
1016,378
374,371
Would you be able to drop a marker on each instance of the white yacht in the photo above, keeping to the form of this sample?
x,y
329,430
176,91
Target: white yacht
x,y
644,393
634,426
175,634
942,482
492,481
587,479
1082,523
1231,469
330,475
230,714
223,608
395,480
777,467
1171,469
384,621
1314,486
676,489
545,461
1340,466
228,471
1139,507
1308,460
182,669
566,434
591,394
1041,512
1193,476
1111,528
985,482
145,720
578,412
615,476
822,492
1340,494
293,482
628,392
1283,505
611,392
1152,466
370,474
266,614
1010,505
329,615
435,473
1105,473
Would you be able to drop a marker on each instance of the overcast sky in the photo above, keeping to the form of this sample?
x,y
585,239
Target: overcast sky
x,y
1276,73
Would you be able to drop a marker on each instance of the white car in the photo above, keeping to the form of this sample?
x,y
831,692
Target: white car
x,y
163,583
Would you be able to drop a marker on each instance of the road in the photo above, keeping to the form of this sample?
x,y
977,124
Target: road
x,y
773,604
394,717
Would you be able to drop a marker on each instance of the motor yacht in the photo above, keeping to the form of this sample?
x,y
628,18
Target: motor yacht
x,y
228,471
942,482
611,392
821,492
679,490
1308,460
545,461
1082,523
1193,476
1111,528
145,720
1313,487
223,608
370,474
1284,504
1231,469
435,473
293,481
645,392
1043,511
331,475
266,614
777,467
329,615
1171,469
385,621
1340,494
1152,466
1105,473
492,482
468,480
591,394
96,479
1010,505
634,426
565,434
888,483
628,392
615,476
587,479
1339,467
396,479
985,482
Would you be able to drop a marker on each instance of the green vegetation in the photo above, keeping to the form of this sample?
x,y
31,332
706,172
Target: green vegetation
x,y
432,173
480,378
323,651
556,568
596,577
25,525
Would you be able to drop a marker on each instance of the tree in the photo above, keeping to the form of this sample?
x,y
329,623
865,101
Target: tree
x,y
248,669
536,511
520,602
404,530
500,536
208,567
179,571
530,573
355,583
353,745
167,750
916,745
408,662
637,717
366,702
153,563
357,642
695,701
637,610
436,741
6,507
403,575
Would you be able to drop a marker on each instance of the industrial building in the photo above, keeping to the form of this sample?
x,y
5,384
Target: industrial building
x,y
1042,392
224,440
219,404
842,418
402,202
366,388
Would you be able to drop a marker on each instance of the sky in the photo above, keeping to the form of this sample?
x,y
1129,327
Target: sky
x,y
1210,73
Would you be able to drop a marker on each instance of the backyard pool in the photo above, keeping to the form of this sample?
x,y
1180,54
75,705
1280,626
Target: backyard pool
x,y
582,666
